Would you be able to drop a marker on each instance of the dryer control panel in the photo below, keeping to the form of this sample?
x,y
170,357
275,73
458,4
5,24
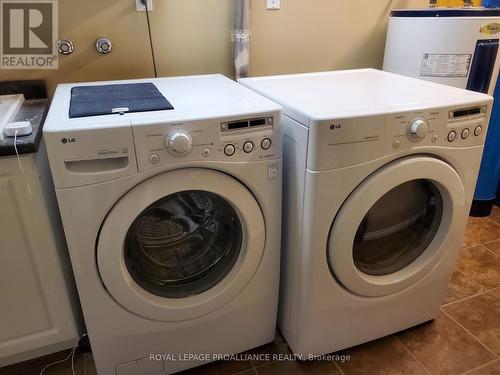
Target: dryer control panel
x,y
455,127
241,139
345,142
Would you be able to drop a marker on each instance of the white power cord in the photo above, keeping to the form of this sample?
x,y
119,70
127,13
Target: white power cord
x,y
21,165
70,355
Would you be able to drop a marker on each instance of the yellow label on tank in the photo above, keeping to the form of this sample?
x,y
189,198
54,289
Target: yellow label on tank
x,y
457,3
490,28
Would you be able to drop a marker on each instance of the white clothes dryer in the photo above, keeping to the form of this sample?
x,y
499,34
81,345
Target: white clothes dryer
x,y
379,174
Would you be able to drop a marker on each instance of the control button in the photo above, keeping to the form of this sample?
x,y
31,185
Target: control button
x,y
451,136
272,172
435,138
154,158
248,147
229,150
179,143
396,144
266,143
478,131
419,129
465,133
206,152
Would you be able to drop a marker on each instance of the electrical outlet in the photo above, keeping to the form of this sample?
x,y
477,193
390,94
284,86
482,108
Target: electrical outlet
x,y
140,7
273,4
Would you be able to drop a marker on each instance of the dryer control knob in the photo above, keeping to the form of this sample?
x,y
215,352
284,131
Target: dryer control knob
x,y
419,129
179,143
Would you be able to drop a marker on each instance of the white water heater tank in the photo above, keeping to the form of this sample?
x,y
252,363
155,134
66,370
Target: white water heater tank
x,y
452,46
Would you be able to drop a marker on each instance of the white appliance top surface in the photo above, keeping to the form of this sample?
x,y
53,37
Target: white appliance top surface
x,y
193,97
356,93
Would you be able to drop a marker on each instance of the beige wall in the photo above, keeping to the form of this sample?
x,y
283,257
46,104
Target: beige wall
x,y
193,37
319,35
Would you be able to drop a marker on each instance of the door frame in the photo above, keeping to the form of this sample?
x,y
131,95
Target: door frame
x,y
361,200
110,252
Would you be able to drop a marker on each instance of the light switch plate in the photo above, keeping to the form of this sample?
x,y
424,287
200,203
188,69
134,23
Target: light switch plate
x,y
273,4
140,7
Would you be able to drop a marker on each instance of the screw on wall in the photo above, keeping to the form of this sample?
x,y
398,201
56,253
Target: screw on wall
x,y
65,46
103,45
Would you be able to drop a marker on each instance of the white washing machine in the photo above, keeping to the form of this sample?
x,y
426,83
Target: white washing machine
x,y
379,173
172,217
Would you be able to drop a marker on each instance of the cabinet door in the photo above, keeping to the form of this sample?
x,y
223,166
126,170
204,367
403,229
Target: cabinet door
x,y
35,311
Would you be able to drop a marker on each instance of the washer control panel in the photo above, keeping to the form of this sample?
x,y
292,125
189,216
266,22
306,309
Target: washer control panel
x,y
247,136
253,138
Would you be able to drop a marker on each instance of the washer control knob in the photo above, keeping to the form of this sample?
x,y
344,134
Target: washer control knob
x,y
465,133
248,147
419,129
229,150
180,143
266,144
451,136
478,131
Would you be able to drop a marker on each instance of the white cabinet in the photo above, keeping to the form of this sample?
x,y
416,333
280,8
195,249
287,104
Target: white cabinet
x,y
37,298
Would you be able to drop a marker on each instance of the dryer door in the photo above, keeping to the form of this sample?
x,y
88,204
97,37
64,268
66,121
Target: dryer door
x,y
181,244
396,225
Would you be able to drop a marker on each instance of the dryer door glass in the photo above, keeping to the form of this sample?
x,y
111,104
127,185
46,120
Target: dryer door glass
x,y
183,244
398,228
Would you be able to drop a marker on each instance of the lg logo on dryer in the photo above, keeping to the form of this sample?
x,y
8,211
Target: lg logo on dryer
x,y
68,140
335,126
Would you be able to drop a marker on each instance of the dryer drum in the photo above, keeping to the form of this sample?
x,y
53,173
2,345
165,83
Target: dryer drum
x,y
183,244
398,228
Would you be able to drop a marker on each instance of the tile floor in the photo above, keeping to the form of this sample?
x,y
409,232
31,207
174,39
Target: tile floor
x,y
464,339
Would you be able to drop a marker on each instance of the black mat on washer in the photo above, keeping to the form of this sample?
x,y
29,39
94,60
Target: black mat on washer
x,y
114,99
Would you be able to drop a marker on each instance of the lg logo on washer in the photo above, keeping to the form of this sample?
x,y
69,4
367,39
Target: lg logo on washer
x,y
68,140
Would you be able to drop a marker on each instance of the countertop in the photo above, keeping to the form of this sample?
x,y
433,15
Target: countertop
x,y
34,109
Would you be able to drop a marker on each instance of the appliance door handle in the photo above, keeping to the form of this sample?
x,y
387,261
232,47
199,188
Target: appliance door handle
x,y
96,166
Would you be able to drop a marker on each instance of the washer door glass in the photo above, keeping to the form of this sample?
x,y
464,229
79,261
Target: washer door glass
x,y
398,228
183,244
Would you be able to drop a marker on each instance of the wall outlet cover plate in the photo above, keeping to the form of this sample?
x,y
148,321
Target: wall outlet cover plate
x,y
140,7
273,4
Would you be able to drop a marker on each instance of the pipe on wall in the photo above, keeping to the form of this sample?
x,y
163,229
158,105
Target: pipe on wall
x,y
241,37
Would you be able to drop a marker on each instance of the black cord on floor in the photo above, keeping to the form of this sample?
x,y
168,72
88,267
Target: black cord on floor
x,y
145,2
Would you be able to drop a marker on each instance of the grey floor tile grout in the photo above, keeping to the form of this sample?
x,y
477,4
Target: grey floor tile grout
x,y
248,369
469,278
488,242
412,355
338,368
470,333
486,290
264,365
491,251
491,221
479,367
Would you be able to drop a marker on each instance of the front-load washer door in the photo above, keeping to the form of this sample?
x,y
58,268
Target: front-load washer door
x,y
396,225
181,244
